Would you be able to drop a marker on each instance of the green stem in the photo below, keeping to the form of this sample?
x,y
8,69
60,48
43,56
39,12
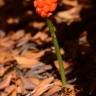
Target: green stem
x,y
52,30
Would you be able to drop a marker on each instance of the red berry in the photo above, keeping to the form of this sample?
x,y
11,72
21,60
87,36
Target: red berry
x,y
45,7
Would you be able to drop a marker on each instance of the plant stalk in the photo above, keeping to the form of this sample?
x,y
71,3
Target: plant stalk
x,y
52,30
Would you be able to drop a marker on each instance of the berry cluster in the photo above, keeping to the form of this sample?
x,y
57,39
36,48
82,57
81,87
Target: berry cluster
x,y
45,7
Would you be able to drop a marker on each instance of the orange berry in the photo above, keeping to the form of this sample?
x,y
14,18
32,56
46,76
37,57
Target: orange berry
x,y
45,7
52,7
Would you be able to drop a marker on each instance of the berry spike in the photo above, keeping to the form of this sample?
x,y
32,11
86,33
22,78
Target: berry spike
x,y
45,7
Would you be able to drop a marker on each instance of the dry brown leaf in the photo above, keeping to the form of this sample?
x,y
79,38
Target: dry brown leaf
x,y
45,81
37,25
34,80
24,40
3,70
29,54
43,86
2,34
58,83
2,3
25,62
70,2
14,93
44,69
16,52
10,89
70,90
66,65
5,83
41,37
11,20
20,88
70,15
53,90
17,35
34,55
7,43
57,87
3,94
26,83
5,56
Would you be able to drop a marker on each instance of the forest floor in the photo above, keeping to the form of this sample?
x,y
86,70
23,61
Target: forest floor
x,y
28,64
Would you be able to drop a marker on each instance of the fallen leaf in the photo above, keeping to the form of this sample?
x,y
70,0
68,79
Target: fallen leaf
x,y
14,93
2,3
2,34
35,55
26,83
70,2
20,89
24,40
43,86
3,94
52,90
66,65
6,42
70,15
34,80
3,70
5,83
25,62
37,25
17,35
10,89
5,57
41,37
57,87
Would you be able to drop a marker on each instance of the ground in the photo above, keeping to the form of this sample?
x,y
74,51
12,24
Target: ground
x,y
28,63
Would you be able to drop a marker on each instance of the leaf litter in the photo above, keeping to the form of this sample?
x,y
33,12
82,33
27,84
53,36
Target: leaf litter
x,y
27,69
22,70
